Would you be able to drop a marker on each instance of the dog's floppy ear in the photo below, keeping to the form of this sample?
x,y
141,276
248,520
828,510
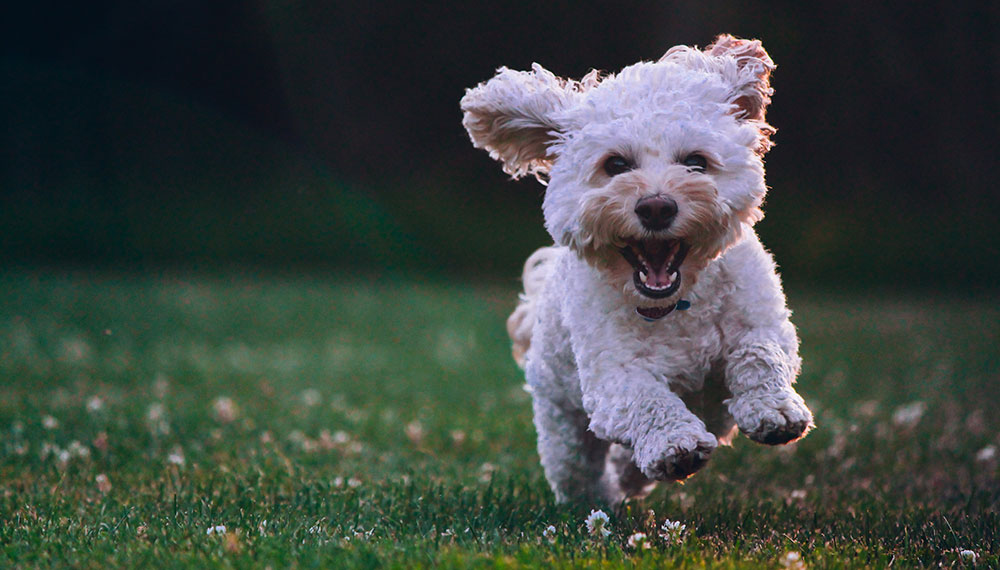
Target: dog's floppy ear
x,y
754,67
746,67
513,117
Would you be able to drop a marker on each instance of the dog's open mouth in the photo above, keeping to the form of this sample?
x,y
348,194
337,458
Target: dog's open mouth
x,y
656,263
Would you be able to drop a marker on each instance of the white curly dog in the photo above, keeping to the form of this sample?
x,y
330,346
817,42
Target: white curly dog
x,y
657,324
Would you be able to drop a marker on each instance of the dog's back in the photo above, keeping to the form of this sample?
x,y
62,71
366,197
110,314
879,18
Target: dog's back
x,y
522,320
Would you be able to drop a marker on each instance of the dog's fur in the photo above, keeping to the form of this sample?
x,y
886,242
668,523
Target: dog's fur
x,y
628,388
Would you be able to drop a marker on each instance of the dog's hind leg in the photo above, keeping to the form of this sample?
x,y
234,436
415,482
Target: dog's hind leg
x,y
623,479
572,456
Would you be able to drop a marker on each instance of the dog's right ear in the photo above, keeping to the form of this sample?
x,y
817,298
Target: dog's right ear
x,y
513,116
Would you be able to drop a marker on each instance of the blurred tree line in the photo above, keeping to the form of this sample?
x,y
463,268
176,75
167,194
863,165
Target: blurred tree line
x,y
327,134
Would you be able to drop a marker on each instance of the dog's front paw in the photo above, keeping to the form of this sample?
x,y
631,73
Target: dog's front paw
x,y
676,458
771,417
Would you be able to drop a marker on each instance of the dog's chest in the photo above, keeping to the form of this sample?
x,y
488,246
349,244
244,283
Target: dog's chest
x,y
681,348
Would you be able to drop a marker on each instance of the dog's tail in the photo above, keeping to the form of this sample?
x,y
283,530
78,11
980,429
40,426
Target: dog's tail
x,y
522,320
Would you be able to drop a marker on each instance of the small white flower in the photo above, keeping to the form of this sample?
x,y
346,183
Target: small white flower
x,y
672,531
909,415
987,453
792,560
176,457
103,483
77,449
49,422
217,529
225,410
262,528
156,419
639,541
415,432
549,533
597,523
156,412
95,404
486,471
970,555
311,397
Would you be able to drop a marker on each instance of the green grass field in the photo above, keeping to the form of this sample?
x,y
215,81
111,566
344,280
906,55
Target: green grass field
x,y
380,423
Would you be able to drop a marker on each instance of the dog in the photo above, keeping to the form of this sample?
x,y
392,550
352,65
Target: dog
x,y
656,325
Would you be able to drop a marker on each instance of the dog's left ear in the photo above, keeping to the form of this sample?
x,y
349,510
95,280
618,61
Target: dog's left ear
x,y
513,116
746,67
753,86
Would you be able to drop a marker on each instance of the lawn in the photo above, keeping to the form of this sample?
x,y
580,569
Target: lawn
x,y
242,420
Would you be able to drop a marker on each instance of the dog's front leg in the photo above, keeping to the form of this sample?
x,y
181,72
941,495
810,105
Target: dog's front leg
x,y
759,374
631,406
760,349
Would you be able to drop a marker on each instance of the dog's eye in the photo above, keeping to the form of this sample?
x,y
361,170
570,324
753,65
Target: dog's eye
x,y
616,165
695,162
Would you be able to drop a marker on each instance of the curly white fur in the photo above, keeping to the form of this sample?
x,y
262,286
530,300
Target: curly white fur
x,y
620,402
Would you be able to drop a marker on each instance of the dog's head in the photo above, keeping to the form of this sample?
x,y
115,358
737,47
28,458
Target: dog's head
x,y
652,172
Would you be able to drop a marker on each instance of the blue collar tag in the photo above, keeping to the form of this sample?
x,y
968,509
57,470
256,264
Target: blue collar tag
x,y
683,305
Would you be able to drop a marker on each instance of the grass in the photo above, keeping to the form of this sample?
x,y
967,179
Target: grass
x,y
347,423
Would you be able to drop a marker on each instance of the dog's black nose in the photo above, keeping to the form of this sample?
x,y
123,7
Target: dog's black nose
x,y
656,212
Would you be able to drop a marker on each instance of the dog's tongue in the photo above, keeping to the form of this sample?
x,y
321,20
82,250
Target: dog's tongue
x,y
658,255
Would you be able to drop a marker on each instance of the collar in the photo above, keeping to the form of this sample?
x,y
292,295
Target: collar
x,y
653,314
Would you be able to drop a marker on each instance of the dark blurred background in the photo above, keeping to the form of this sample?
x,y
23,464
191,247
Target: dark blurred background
x,y
321,135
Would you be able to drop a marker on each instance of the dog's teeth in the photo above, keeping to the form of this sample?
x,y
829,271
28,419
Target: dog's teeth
x,y
643,277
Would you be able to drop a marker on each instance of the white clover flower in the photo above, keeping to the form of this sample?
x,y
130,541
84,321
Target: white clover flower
x,y
415,432
77,449
486,471
987,453
49,422
909,415
311,397
672,531
217,529
95,404
969,555
103,483
792,561
639,541
156,419
156,412
797,495
225,410
597,523
549,533
176,457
